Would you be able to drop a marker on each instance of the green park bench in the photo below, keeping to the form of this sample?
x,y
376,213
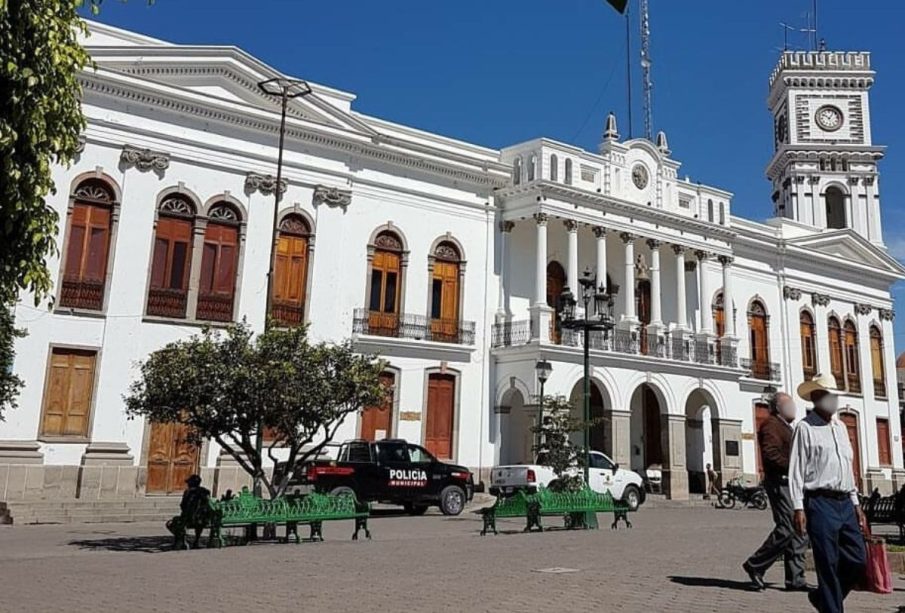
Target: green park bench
x,y
247,509
579,509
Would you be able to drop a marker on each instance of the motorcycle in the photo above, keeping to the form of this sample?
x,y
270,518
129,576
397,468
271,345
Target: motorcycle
x,y
749,496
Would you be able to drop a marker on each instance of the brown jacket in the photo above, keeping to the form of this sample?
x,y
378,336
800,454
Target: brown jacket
x,y
775,439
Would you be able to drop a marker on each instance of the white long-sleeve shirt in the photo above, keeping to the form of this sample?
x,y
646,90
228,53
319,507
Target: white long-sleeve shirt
x,y
821,459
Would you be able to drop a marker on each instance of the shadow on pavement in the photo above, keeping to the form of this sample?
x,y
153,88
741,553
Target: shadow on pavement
x,y
138,544
726,584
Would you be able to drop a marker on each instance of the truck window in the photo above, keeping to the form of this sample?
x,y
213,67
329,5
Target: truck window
x,y
358,452
599,461
388,453
420,455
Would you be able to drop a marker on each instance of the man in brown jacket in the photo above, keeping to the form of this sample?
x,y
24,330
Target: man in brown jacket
x,y
775,441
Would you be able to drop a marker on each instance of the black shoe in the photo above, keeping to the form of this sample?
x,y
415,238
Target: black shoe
x,y
804,587
757,579
814,599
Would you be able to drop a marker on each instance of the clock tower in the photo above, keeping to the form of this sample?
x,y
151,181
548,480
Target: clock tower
x,y
824,166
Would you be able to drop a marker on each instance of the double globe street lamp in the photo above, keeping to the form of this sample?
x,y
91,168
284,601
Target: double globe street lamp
x,y
597,315
543,368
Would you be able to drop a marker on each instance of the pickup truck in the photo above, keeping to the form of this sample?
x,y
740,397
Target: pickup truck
x,y
604,475
390,471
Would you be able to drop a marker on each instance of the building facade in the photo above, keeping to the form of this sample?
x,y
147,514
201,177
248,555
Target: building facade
x,y
448,259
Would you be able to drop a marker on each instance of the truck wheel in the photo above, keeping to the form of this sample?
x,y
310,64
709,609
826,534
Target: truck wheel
x,y
415,509
631,497
452,500
342,490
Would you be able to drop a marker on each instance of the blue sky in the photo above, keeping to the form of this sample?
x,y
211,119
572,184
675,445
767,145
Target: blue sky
x,y
502,71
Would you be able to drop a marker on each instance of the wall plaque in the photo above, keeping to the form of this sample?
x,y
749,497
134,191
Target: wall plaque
x,y
409,416
732,448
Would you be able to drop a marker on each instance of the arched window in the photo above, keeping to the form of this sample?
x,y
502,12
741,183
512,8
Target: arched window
x,y
835,208
710,210
758,325
172,258
808,345
852,366
532,168
290,272
837,360
219,264
722,213
554,168
87,246
445,289
568,173
517,171
384,300
876,360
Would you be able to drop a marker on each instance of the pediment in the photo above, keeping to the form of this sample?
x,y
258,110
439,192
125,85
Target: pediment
x,y
851,247
224,74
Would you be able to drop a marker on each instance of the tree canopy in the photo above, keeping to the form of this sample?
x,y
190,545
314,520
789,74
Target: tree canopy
x,y
230,385
556,445
9,382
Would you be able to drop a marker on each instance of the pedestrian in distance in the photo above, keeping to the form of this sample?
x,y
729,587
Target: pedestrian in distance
x,y
713,483
775,442
824,496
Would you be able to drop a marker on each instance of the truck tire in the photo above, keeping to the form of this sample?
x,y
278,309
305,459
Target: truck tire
x,y
415,509
631,497
342,490
452,500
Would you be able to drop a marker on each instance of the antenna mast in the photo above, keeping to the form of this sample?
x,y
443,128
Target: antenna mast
x,y
645,71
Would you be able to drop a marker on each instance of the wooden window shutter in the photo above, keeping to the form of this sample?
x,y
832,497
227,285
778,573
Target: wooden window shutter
x,y
883,444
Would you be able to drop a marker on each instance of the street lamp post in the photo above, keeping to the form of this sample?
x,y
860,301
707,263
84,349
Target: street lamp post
x,y
543,369
598,315
286,89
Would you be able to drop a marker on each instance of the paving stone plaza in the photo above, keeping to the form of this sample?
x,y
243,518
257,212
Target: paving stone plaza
x,y
674,559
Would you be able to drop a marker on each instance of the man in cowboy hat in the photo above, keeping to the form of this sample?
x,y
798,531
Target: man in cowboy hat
x,y
775,438
824,496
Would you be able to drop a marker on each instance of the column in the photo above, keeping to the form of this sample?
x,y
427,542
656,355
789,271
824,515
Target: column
x,y
656,317
600,233
681,314
503,309
728,310
572,271
541,313
675,468
704,298
540,273
628,290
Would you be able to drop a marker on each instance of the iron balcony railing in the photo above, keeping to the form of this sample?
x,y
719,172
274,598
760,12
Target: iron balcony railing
x,y
509,333
765,371
165,302
408,325
82,294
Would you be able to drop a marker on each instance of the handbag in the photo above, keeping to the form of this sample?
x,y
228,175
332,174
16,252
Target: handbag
x,y
877,575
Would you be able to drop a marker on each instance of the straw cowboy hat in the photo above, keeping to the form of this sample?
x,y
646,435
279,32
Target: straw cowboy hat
x,y
820,382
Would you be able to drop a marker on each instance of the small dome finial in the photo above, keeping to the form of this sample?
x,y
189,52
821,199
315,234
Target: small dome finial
x,y
662,143
610,133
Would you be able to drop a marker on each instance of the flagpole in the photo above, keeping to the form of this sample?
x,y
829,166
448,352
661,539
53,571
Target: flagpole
x,y
628,69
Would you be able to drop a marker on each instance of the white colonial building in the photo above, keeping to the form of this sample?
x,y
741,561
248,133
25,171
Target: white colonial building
x,y
448,259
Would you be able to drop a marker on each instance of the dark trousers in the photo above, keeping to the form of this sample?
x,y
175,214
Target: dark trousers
x,y
783,541
838,545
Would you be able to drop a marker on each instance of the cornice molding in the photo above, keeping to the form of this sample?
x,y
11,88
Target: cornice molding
x,y
887,314
144,159
481,175
820,299
862,308
791,293
332,196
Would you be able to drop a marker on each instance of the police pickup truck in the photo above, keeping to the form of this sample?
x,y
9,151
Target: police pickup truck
x,y
390,471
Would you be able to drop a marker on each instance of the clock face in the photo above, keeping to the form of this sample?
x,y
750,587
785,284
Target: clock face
x,y
829,118
639,176
782,129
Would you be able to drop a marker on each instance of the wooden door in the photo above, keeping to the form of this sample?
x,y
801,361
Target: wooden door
x,y
719,327
556,282
290,279
171,458
642,299
377,421
70,388
653,445
760,350
883,445
851,425
445,302
441,394
383,318
761,415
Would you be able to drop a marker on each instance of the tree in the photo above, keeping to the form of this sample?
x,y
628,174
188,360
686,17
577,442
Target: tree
x,y
556,447
9,383
228,385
